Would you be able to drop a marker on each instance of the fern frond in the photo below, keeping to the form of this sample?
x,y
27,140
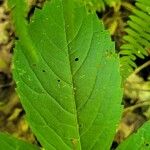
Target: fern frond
x,y
137,40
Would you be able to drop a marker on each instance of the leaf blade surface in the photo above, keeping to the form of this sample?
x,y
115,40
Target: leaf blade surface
x,y
139,140
68,78
10,143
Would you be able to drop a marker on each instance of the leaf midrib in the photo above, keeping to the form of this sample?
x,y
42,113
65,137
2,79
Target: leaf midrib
x,y
71,74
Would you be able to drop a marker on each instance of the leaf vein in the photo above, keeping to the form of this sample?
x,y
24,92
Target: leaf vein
x,y
48,93
46,123
88,51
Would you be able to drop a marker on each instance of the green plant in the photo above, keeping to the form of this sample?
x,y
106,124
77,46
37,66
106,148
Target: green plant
x,y
137,41
64,65
68,80
99,5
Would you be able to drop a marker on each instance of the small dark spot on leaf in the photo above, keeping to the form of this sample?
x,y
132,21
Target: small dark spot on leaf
x,y
58,80
76,59
43,70
16,38
147,144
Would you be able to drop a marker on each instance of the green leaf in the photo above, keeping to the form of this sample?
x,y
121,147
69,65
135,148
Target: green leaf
x,y
139,140
8,142
67,76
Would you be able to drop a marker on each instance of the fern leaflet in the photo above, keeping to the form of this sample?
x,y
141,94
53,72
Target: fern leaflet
x,y
137,40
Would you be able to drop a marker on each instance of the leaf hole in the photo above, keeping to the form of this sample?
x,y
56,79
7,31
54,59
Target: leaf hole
x,y
58,80
77,59
147,144
43,71
16,38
